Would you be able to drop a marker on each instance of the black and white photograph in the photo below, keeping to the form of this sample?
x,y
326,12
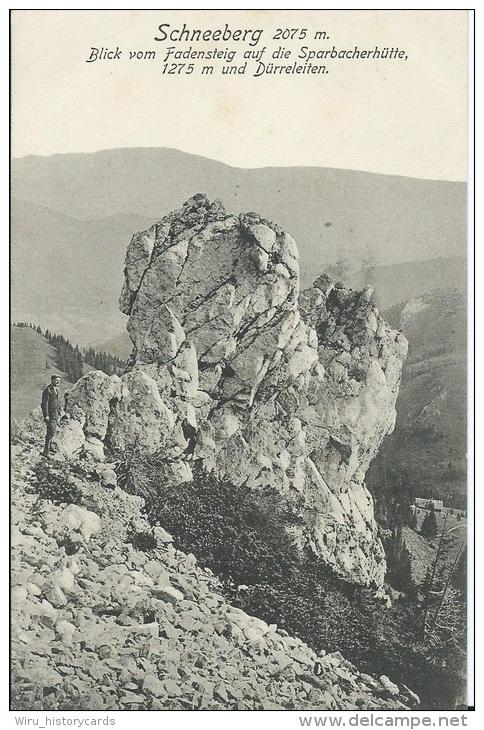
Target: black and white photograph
x,y
239,311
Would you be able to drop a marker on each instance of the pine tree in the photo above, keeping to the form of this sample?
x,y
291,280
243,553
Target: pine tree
x,y
104,361
71,359
410,517
442,617
429,525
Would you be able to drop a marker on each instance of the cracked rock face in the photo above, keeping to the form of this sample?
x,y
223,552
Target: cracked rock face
x,y
232,367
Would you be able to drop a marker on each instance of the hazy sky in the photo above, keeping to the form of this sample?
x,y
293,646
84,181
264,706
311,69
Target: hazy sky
x,y
404,118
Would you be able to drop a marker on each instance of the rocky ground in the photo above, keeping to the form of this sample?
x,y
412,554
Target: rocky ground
x,y
100,624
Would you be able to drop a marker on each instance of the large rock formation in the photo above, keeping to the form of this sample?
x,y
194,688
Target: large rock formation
x,y
288,393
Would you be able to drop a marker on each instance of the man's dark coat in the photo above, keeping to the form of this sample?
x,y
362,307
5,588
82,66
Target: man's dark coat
x,y
50,403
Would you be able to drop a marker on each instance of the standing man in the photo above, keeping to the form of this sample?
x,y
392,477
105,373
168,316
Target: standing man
x,y
51,410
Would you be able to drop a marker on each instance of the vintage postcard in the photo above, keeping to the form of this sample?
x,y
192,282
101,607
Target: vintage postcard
x,y
239,255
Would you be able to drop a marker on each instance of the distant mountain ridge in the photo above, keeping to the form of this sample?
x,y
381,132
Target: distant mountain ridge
x,y
73,215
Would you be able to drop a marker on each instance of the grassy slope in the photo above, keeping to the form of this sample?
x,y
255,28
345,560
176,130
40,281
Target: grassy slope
x,y
33,361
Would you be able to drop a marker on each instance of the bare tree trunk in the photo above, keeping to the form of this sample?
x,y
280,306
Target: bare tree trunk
x,y
426,605
446,586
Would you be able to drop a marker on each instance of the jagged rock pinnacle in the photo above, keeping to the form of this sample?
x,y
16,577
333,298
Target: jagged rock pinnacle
x,y
290,394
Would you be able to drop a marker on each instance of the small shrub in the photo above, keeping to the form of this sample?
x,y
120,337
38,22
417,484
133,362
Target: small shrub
x,y
143,541
239,539
69,545
56,483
